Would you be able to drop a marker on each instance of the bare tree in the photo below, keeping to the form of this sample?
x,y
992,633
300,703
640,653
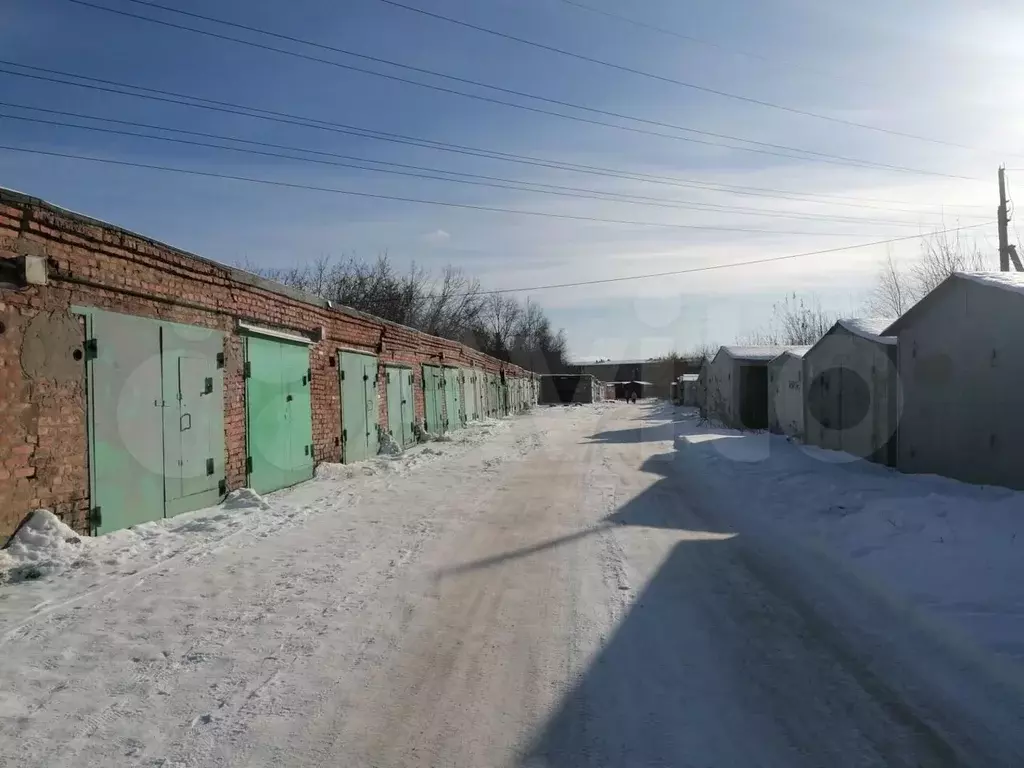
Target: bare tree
x,y
802,322
795,322
501,314
452,306
942,254
705,353
893,294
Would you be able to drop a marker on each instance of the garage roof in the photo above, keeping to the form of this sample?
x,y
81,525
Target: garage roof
x,y
872,328
755,354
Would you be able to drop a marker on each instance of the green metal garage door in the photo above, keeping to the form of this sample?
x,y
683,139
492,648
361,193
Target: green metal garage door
x,y
493,392
279,419
474,407
400,406
359,414
155,400
454,416
433,399
193,376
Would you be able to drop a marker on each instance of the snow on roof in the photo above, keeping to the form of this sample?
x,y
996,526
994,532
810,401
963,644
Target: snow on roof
x,y
1010,281
869,327
646,361
1007,281
794,351
755,353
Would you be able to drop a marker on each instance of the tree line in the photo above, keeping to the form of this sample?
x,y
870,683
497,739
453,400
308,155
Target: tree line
x,y
451,305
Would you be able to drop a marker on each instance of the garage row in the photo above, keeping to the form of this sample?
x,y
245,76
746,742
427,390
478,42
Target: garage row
x,y
155,396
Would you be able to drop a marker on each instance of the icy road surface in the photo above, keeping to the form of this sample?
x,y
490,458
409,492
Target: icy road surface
x,y
587,586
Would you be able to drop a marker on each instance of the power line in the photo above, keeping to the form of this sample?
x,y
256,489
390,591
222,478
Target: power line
x,y
421,201
707,268
427,173
286,118
652,75
806,154
729,265
672,32
712,44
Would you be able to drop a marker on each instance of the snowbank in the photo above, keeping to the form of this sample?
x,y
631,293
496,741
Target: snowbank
x,y
950,548
245,498
44,544
46,549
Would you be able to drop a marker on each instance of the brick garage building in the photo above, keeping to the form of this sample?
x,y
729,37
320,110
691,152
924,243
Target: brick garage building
x,y
118,352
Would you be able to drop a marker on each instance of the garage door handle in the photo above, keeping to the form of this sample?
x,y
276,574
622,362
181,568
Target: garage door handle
x,y
288,399
182,423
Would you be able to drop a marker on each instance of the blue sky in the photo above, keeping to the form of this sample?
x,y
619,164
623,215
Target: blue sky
x,y
915,67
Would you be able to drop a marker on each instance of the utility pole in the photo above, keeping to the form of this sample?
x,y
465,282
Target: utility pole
x,y
1004,241
1007,252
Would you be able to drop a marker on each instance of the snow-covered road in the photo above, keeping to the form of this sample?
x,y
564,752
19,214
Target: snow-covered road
x,y
573,588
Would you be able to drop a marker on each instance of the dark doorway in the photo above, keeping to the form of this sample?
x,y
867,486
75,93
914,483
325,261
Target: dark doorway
x,y
754,396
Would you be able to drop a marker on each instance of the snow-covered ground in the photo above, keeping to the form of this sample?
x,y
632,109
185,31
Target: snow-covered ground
x,y
610,585
75,566
949,548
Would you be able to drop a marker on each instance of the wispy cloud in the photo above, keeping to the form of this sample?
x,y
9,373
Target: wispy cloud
x,y
437,237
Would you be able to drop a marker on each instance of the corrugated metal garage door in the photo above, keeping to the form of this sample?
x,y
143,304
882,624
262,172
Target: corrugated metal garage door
x,y
155,400
279,419
359,412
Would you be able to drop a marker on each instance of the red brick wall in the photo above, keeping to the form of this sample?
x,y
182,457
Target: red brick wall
x,y
43,451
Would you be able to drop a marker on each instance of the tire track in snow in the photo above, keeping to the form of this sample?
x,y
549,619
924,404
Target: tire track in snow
x,y
378,639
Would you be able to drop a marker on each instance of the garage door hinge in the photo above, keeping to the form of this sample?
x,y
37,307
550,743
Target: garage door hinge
x,y
209,466
247,370
208,386
248,465
344,435
91,349
309,375
342,375
96,517
220,359
222,487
